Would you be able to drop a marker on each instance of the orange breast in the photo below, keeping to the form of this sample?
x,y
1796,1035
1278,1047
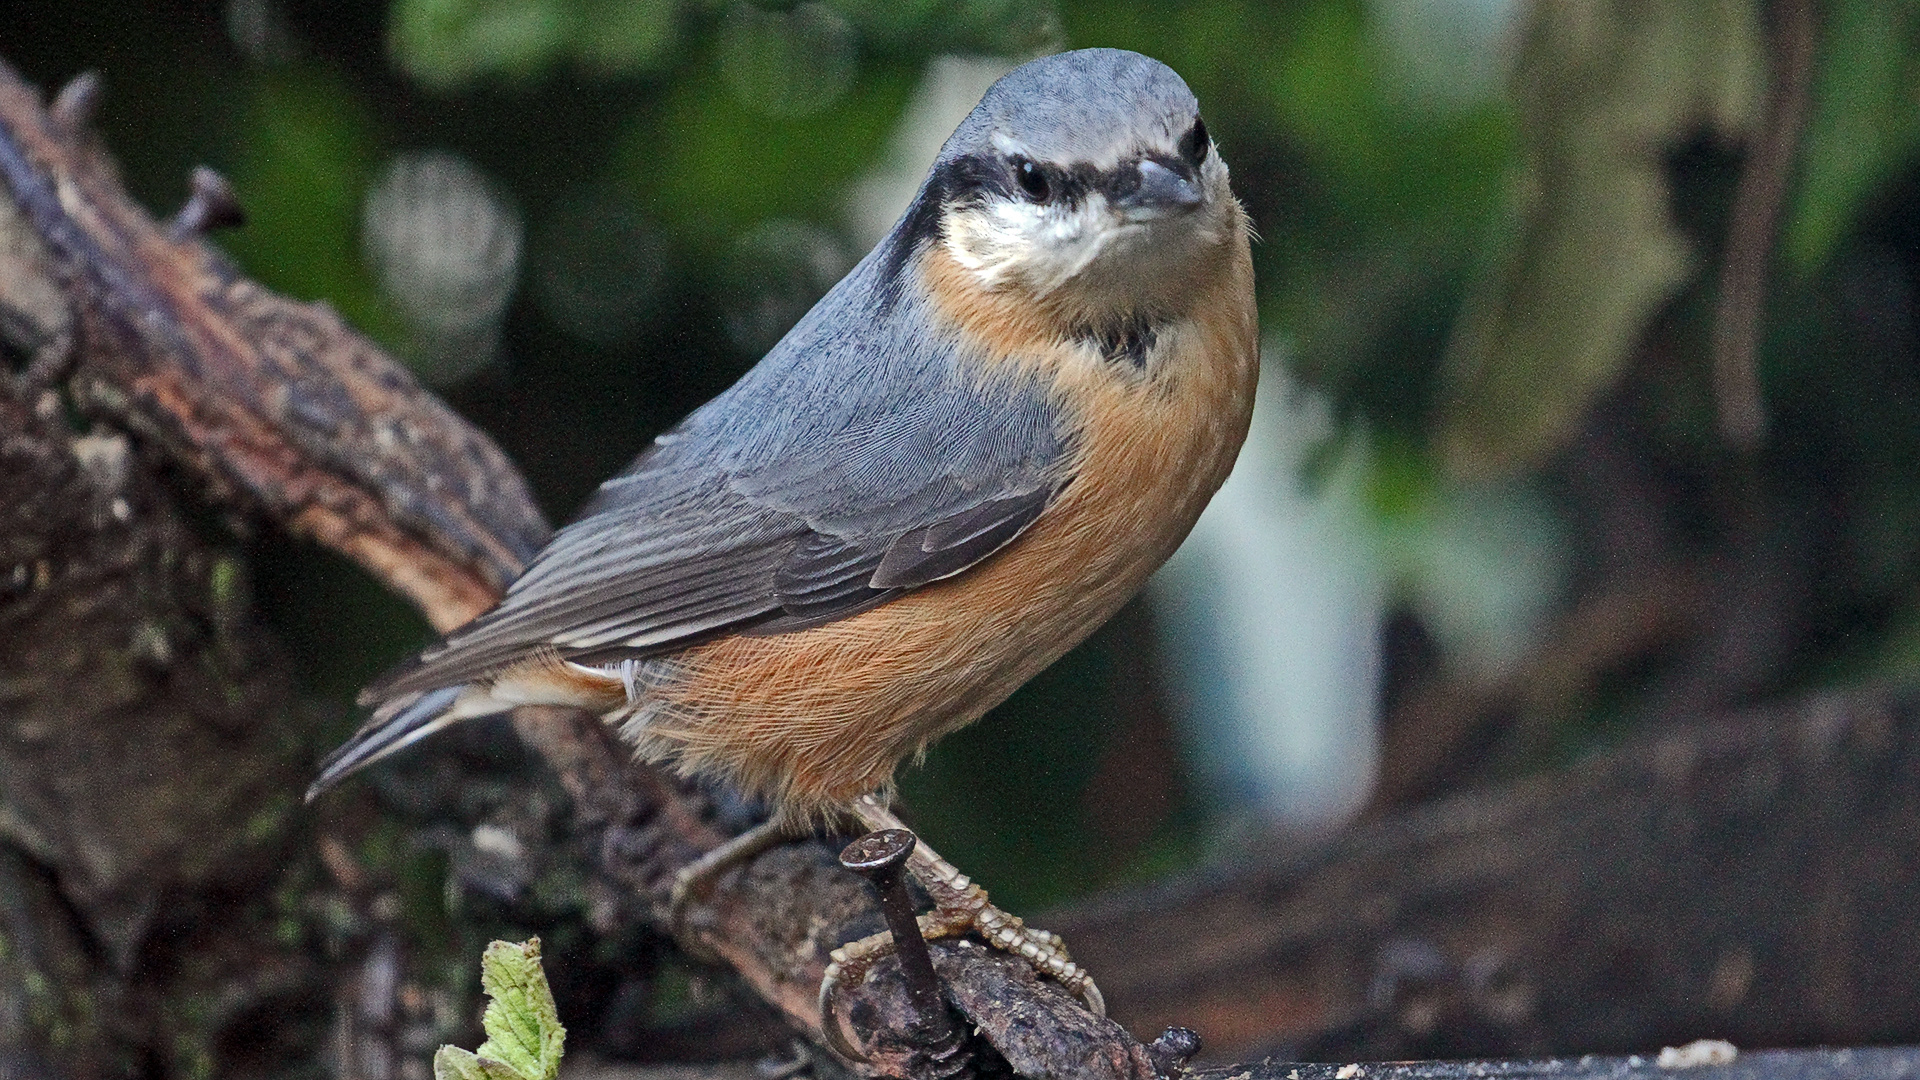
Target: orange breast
x,y
815,718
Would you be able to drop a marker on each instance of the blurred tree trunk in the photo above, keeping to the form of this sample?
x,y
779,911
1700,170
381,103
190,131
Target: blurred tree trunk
x,y
1752,878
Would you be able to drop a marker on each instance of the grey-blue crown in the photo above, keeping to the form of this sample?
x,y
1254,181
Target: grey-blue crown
x,y
1081,105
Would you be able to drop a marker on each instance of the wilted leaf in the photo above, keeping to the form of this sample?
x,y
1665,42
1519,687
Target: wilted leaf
x,y
1604,91
453,1063
524,1036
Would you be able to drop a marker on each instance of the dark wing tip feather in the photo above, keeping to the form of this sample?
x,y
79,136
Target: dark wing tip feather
x,y
951,545
405,723
389,685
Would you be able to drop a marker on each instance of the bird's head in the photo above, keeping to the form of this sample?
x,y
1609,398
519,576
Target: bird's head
x,y
1083,185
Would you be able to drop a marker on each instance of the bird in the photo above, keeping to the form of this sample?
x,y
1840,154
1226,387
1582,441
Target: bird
x,y
955,467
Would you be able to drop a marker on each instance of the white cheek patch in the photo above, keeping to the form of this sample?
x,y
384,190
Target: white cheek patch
x,y
1042,247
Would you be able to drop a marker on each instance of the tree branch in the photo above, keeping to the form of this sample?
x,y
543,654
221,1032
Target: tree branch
x,y
1750,878
1765,1065
1756,213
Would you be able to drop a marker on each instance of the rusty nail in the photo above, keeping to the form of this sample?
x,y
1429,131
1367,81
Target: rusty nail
x,y
210,205
881,858
1173,1049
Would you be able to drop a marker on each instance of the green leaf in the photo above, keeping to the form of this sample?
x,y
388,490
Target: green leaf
x,y
523,1026
524,1036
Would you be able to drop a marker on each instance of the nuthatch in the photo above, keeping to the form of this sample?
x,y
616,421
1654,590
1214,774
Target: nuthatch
x,y
961,462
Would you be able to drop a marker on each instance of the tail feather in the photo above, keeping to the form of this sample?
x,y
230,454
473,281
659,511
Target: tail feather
x,y
394,726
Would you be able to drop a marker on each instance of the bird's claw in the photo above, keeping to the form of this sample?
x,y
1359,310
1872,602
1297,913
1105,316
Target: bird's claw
x,y
964,909
959,907
686,881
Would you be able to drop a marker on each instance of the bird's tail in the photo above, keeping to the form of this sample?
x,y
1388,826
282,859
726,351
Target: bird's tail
x,y
396,724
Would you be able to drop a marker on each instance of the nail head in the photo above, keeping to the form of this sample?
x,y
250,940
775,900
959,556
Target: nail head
x,y
886,849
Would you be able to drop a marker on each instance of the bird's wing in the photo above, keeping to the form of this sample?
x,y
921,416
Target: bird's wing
x,y
779,506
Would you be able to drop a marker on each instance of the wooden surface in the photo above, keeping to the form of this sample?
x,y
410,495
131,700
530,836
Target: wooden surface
x,y
1891,1063
1752,878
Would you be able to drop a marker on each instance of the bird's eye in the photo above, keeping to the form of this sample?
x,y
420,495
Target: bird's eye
x,y
1193,145
1033,180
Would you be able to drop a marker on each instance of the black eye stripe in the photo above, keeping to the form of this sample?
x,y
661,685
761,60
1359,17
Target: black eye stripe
x,y
973,178
1194,144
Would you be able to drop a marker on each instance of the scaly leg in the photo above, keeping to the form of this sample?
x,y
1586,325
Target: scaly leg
x,y
699,876
959,906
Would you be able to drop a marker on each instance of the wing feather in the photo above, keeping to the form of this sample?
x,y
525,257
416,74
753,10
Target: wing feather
x,y
855,462
949,546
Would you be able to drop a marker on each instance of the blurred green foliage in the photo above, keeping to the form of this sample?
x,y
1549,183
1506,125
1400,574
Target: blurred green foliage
x,y
712,164
1464,243
448,43
304,159
1865,124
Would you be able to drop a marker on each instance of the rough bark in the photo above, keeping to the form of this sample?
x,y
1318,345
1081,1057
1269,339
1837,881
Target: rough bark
x,y
146,758
274,403
1877,1064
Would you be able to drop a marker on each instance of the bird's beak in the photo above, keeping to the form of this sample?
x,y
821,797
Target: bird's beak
x,y
1159,191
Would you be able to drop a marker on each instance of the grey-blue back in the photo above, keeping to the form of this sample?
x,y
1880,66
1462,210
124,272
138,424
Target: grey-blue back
x,y
771,507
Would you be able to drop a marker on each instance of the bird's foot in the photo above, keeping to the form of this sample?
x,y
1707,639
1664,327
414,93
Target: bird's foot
x,y
1043,949
697,878
960,907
